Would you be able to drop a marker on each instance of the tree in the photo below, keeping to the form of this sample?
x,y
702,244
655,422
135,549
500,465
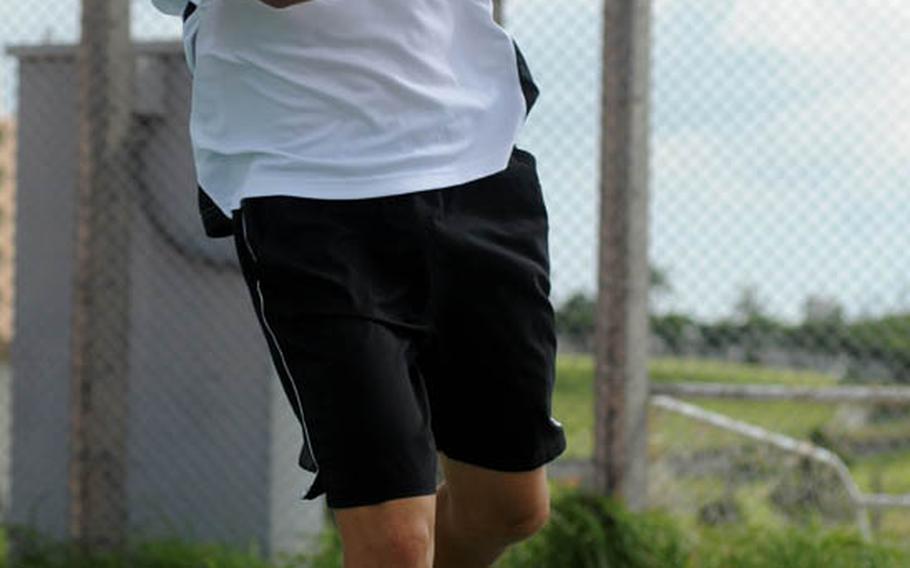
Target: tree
x,y
659,283
756,328
575,319
820,309
748,307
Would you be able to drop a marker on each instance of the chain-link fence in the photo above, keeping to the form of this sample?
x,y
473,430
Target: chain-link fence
x,y
778,251
781,172
143,396
778,247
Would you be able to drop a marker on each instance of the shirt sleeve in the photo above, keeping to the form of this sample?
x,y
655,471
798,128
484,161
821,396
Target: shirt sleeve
x,y
170,7
190,29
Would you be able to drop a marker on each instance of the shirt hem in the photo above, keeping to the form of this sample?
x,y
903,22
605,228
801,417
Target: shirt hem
x,y
365,188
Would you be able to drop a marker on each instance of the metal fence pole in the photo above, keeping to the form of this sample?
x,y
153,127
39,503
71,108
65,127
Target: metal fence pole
x,y
97,475
621,336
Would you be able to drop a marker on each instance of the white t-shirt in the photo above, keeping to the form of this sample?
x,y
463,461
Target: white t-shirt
x,y
348,99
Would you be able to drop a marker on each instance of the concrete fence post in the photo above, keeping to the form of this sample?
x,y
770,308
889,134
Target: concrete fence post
x,y
98,394
621,336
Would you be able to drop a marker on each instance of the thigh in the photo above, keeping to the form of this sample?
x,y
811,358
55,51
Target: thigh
x,y
492,368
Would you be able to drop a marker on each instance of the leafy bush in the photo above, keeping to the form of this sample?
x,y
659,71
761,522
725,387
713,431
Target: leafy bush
x,y
329,553
589,531
38,551
585,531
575,319
809,490
763,547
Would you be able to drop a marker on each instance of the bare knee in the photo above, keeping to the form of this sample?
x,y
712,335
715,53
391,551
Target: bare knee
x,y
394,534
521,525
506,522
409,545
405,545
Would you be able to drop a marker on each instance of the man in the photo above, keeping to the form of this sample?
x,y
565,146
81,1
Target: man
x,y
394,242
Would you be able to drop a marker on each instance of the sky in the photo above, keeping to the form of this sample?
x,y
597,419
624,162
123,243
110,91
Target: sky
x,y
779,145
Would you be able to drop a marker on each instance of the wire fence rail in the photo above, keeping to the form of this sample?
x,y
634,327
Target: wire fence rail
x,y
892,396
863,502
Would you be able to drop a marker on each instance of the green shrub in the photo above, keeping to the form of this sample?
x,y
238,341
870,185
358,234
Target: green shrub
x,y
763,547
38,551
589,531
329,553
585,531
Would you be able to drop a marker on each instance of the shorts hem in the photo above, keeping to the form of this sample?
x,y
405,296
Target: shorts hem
x,y
545,455
365,500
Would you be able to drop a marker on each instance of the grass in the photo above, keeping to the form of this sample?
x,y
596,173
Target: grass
x,y
671,434
588,531
573,406
796,419
585,531
892,469
710,371
40,552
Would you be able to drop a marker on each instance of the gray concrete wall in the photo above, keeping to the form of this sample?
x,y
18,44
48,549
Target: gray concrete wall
x,y
212,440
40,353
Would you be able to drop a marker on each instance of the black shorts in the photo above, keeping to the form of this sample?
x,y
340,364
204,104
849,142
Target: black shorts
x,y
406,324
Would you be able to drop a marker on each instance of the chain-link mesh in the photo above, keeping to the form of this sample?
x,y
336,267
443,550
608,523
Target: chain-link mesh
x,y
778,251
778,244
780,199
143,400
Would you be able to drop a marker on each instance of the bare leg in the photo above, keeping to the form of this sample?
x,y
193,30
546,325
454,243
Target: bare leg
x,y
393,534
480,512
